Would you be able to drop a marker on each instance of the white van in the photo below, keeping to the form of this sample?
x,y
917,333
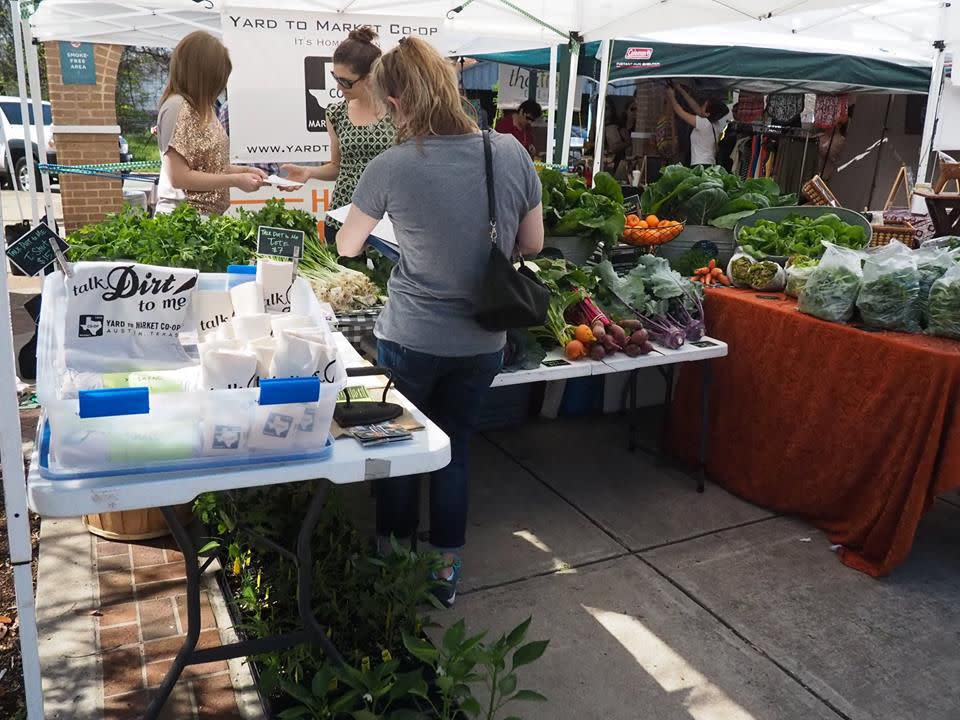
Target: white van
x,y
14,165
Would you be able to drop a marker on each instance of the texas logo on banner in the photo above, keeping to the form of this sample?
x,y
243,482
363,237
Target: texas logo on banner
x,y
281,84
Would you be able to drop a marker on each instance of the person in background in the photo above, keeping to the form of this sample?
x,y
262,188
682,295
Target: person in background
x,y
520,124
432,183
706,122
194,152
359,127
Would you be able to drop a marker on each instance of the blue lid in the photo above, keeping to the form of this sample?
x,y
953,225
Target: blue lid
x,y
242,269
119,401
280,391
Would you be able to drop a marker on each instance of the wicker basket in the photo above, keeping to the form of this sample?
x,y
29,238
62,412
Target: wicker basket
x,y
816,192
129,525
885,234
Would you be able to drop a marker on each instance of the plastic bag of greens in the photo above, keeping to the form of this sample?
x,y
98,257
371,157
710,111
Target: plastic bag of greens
x,y
832,288
798,272
932,263
890,293
767,276
738,269
945,305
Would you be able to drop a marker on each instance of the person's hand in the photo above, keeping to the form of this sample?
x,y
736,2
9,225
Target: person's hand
x,y
248,181
671,91
259,172
297,173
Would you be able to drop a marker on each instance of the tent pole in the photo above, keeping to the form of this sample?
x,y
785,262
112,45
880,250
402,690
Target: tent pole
x,y
552,106
571,94
15,504
933,107
33,78
598,130
24,111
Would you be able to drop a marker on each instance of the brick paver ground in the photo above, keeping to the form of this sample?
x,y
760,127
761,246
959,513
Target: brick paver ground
x,y
141,625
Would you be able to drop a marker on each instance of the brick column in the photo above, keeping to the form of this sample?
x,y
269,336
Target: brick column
x,y
86,199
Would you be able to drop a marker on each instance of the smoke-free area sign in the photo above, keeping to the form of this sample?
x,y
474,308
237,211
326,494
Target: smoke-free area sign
x,y
77,63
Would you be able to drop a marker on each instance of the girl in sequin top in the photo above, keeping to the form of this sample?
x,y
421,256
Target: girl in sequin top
x,y
194,150
359,127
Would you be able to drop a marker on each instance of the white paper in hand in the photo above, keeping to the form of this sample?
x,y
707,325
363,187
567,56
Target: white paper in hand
x,y
282,182
384,229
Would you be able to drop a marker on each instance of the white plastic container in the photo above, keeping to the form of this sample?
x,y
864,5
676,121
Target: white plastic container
x,y
134,430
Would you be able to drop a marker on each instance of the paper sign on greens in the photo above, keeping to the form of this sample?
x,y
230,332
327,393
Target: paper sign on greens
x,y
33,251
280,242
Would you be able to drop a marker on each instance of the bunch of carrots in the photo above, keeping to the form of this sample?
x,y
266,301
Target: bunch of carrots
x,y
711,275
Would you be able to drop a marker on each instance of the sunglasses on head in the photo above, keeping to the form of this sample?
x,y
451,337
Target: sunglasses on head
x,y
345,83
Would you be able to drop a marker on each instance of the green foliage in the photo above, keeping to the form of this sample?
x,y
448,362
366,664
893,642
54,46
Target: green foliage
x,y
944,305
183,238
711,195
570,208
830,293
370,606
690,261
800,235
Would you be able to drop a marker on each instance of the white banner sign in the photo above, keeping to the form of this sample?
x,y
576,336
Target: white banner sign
x,y
281,85
514,83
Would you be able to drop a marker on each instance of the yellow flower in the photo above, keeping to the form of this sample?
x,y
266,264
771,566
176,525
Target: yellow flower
x,y
365,664
387,657
236,566
258,581
332,685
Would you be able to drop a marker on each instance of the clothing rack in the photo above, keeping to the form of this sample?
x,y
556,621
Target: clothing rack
x,y
774,129
770,152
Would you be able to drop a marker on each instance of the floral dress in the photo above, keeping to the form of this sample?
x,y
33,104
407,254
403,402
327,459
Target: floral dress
x,y
359,144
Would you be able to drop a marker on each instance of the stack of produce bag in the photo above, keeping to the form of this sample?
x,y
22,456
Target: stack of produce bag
x,y
932,263
890,293
762,275
944,305
832,287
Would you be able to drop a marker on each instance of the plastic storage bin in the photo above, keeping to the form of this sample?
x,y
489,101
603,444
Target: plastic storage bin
x,y
134,430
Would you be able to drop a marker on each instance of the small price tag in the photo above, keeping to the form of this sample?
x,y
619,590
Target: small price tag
x,y
704,344
36,249
555,363
631,205
280,242
376,469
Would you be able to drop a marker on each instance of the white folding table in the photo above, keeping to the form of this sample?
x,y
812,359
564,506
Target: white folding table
x,y
554,367
429,450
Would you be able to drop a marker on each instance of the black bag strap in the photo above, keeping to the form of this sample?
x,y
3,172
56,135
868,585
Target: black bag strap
x,y
491,194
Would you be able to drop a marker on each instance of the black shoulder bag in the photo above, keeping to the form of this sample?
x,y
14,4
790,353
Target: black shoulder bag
x,y
509,297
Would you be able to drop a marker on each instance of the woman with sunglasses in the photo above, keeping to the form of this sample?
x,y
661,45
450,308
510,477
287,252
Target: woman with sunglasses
x,y
433,183
359,128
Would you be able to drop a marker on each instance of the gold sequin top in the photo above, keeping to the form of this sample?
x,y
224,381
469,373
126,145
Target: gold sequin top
x,y
205,147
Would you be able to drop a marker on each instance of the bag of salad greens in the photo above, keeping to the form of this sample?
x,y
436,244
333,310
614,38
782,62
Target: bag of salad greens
x,y
832,288
890,293
944,305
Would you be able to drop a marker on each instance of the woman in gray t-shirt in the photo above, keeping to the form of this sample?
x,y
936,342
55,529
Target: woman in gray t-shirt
x,y
432,185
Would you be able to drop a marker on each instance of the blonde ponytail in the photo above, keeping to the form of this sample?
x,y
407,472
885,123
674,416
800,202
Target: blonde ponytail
x,y
425,85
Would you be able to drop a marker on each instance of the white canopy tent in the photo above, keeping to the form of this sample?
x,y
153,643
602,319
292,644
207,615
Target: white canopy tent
x,y
479,26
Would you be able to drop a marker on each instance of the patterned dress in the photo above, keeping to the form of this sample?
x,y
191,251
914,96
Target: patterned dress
x,y
359,144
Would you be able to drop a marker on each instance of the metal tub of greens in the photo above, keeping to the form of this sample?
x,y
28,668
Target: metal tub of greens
x,y
780,233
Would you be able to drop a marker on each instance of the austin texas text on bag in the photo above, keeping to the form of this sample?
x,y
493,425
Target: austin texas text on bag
x,y
508,298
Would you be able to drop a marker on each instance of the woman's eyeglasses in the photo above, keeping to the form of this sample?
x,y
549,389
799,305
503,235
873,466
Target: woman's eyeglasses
x,y
345,83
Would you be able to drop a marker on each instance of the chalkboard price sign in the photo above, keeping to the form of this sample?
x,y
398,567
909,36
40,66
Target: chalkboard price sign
x,y
34,250
280,242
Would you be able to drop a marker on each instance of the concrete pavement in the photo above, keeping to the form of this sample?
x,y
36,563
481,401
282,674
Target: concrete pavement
x,y
661,604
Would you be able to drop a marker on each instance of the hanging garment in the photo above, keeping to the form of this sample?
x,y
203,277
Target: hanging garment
x,y
830,111
749,107
785,108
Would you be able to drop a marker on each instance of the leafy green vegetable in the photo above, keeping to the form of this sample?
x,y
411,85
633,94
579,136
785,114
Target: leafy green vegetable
x,y
711,195
932,264
182,238
766,276
740,271
801,235
691,260
797,276
570,208
890,301
830,293
944,307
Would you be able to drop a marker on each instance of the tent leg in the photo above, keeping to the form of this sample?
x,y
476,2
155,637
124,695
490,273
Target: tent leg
x,y
568,110
24,109
598,129
29,640
33,78
552,107
933,106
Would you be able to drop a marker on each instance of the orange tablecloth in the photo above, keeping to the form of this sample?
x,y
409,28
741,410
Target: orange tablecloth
x,y
856,432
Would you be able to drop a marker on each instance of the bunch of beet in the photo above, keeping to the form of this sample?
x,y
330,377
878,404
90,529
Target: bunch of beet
x,y
604,339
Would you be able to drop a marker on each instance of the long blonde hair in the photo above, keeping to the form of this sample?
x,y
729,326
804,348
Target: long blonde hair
x,y
425,85
199,68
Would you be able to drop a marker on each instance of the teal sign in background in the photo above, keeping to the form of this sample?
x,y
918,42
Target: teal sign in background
x,y
77,64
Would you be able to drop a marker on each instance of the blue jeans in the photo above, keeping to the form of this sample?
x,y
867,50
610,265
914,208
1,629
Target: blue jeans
x,y
450,391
